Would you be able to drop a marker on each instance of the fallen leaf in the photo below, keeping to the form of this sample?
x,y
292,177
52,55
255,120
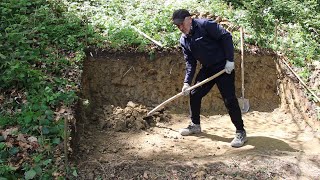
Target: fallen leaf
x,y
62,110
32,139
21,138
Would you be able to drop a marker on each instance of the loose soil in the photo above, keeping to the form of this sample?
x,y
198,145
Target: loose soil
x,y
279,146
116,140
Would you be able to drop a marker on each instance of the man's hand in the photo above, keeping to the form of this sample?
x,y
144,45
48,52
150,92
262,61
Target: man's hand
x,y
229,67
184,88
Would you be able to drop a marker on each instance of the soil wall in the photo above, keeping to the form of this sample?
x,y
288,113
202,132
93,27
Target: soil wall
x,y
294,97
150,79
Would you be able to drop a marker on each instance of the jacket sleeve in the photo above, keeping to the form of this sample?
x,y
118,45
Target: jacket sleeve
x,y
191,65
217,32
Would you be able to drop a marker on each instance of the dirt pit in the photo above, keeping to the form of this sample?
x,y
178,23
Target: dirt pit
x,y
114,139
278,146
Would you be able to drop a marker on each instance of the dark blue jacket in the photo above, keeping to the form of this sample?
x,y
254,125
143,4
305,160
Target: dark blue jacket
x,y
207,42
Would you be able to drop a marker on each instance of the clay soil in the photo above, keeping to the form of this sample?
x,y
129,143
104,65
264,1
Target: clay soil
x,y
279,147
114,139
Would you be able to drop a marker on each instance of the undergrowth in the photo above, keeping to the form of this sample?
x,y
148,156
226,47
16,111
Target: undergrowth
x,y
41,49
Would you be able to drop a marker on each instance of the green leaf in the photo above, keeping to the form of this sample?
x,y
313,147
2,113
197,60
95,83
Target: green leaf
x,y
2,56
14,150
56,141
38,170
2,145
45,130
30,174
46,162
28,118
37,158
74,173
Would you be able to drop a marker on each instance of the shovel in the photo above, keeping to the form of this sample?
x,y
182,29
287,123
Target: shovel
x,y
181,93
243,103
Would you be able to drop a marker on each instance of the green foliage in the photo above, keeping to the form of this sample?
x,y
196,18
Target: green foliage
x,y
34,43
40,44
297,24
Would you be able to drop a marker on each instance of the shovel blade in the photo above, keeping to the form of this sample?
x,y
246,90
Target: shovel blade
x,y
244,104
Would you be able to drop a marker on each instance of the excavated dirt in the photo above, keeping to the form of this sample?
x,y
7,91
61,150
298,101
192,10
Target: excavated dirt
x,y
116,140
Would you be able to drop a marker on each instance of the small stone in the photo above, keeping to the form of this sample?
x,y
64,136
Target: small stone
x,y
146,174
131,104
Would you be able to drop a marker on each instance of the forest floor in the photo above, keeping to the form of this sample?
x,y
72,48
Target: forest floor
x,y
279,146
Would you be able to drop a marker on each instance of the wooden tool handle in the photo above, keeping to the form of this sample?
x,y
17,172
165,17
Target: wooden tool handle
x,y
148,37
189,89
242,63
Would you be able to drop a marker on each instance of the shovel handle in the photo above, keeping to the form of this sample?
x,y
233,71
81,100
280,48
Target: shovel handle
x,y
242,63
181,93
148,37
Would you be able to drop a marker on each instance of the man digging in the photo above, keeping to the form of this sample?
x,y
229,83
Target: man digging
x,y
208,43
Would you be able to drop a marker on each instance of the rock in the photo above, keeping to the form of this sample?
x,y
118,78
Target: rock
x,y
131,104
128,110
146,175
117,111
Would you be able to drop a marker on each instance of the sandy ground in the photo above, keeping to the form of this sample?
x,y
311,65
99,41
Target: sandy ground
x,y
279,147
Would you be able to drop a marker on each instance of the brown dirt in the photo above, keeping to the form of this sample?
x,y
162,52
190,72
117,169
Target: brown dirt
x,y
115,139
119,78
278,147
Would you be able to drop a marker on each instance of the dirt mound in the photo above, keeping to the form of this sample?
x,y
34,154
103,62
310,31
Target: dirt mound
x,y
130,118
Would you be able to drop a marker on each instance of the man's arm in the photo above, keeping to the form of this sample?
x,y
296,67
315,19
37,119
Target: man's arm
x,y
217,32
191,64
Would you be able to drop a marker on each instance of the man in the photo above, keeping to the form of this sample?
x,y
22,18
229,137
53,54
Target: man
x,y
206,41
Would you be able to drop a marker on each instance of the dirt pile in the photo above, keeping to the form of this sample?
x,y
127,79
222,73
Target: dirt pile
x,y
133,117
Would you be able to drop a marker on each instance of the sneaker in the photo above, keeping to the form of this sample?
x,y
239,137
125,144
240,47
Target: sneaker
x,y
191,129
240,139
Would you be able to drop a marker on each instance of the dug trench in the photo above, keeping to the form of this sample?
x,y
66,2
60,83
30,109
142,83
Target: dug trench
x,y
114,139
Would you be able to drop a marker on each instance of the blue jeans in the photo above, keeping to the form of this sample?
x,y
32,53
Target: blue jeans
x,y
225,83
